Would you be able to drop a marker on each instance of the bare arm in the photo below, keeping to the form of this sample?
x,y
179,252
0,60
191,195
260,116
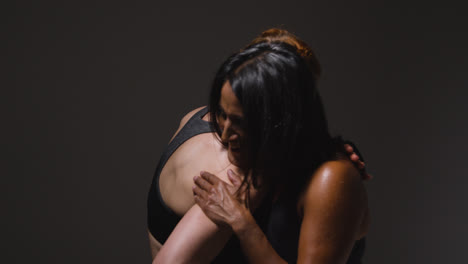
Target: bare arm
x,y
334,208
334,211
254,243
195,239
194,234
222,207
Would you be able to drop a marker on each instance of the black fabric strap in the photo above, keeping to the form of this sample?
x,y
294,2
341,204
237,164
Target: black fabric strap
x,y
161,219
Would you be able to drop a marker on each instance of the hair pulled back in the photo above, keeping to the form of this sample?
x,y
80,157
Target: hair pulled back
x,y
284,36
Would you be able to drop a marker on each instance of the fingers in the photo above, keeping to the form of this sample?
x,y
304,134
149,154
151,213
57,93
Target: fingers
x,y
367,177
354,157
236,181
348,148
361,165
199,193
234,178
213,179
199,189
198,200
202,184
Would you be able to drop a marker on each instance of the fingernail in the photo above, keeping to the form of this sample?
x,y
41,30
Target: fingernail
x,y
195,178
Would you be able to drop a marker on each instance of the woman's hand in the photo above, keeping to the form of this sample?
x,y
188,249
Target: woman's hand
x,y
227,205
358,163
224,204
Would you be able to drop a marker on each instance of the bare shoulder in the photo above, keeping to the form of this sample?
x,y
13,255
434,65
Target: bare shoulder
x,y
335,180
336,172
335,208
189,115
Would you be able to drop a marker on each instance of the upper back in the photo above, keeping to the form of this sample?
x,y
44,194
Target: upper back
x,y
200,152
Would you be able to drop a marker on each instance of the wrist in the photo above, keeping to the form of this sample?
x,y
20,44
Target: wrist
x,y
243,223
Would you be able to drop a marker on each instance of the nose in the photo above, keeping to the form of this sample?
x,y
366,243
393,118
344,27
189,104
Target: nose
x,y
227,134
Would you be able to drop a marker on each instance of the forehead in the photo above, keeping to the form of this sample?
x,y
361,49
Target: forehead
x,y
229,102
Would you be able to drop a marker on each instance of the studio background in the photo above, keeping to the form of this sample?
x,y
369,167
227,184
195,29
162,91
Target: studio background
x,y
92,93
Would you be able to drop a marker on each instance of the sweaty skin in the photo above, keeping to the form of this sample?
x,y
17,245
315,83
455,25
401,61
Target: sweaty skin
x,y
335,214
334,202
176,181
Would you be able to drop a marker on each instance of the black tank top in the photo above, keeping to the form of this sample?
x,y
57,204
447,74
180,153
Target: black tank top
x,y
279,221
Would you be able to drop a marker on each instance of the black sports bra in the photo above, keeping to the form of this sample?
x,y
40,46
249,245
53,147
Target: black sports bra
x,y
279,221
161,219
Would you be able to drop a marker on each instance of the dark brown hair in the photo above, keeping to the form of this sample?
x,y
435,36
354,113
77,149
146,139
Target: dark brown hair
x,y
282,35
284,119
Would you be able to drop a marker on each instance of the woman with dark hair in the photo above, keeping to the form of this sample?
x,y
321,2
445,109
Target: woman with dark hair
x,y
271,118
194,148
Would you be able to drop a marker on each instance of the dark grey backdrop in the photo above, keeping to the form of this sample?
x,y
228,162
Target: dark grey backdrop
x,y
94,91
